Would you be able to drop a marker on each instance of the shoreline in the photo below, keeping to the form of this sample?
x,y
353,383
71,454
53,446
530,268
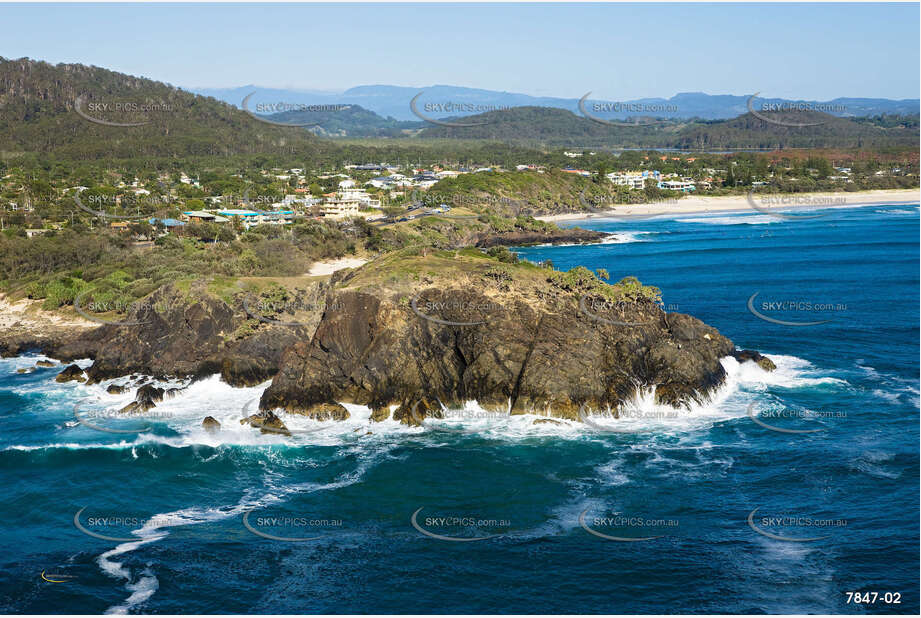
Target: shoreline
x,y
739,203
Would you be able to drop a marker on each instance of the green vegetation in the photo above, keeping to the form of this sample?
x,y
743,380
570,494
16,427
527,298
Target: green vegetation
x,y
114,272
547,127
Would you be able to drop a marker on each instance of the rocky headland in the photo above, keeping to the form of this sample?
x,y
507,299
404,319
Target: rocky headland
x,y
407,333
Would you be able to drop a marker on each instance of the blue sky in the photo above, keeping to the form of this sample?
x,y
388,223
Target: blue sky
x,y
617,51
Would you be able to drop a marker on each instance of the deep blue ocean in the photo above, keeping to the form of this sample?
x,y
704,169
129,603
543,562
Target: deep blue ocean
x,y
785,493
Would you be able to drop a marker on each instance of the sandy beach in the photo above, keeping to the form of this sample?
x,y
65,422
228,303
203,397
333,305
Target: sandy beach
x,y
740,203
323,269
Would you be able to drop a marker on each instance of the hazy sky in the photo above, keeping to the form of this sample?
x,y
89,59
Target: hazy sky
x,y
617,51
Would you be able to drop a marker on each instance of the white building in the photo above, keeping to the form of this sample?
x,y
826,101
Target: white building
x,y
677,185
340,209
361,196
634,180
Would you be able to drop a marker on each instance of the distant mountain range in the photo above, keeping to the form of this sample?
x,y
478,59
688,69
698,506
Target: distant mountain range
x,y
443,101
86,112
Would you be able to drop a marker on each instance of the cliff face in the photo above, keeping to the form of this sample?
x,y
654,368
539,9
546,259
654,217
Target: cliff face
x,y
194,333
378,353
535,346
420,328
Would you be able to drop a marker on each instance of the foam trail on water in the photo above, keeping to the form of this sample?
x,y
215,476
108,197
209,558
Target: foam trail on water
x,y
157,528
733,220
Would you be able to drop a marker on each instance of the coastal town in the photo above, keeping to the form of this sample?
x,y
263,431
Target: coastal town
x,y
379,193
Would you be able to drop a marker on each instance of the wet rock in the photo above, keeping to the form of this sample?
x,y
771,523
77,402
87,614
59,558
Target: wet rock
x,y
116,389
751,355
146,398
543,421
537,352
267,422
326,412
172,392
44,363
211,424
71,373
24,370
413,413
380,414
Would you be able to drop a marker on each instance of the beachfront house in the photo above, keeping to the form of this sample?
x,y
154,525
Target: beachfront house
x,y
685,186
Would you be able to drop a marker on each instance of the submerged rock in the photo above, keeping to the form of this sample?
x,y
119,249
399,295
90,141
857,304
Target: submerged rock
x,y
71,373
543,421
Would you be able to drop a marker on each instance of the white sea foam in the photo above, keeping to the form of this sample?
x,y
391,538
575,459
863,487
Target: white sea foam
x,y
621,238
898,211
176,422
157,527
617,238
733,220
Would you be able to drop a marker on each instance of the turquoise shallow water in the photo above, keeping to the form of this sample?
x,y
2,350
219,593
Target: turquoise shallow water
x,y
179,494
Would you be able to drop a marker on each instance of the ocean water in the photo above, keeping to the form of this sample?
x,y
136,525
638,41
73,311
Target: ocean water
x,y
785,493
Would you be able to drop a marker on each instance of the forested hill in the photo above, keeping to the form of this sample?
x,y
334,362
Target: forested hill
x,y
561,128
40,113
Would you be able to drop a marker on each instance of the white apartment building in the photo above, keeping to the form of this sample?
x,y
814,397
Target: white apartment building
x,y
629,179
340,209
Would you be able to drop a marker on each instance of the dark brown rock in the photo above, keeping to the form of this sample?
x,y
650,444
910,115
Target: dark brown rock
x,y
267,422
71,373
537,355
210,423
116,389
192,333
146,398
751,355
380,414
44,363
326,412
522,238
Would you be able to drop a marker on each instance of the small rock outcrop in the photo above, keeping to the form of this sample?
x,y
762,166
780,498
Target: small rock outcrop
x,y
210,423
44,363
116,389
756,357
267,422
71,373
147,397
